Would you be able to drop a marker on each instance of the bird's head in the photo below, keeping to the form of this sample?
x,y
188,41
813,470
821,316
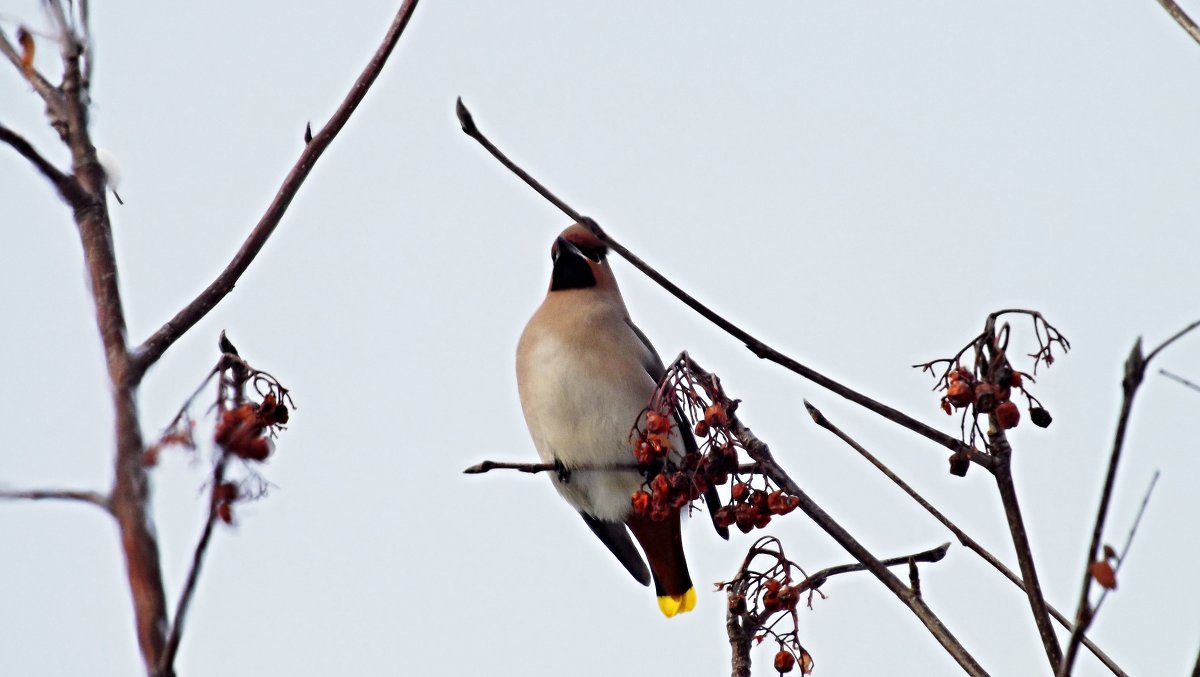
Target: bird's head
x,y
580,261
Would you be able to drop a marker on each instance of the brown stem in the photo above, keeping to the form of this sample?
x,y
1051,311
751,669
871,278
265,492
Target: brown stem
x,y
131,485
50,94
1135,371
152,348
1002,471
740,638
1129,538
754,345
1181,18
64,184
93,497
534,468
963,538
166,663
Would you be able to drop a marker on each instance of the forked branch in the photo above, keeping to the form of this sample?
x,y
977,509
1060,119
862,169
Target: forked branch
x,y
153,347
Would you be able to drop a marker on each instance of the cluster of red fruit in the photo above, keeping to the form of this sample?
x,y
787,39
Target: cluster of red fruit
x,y
242,430
224,496
684,477
964,390
785,661
751,508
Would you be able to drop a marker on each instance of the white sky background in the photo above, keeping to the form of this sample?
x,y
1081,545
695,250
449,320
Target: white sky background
x,y
858,184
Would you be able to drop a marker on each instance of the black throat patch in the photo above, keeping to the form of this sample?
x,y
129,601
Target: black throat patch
x,y
571,272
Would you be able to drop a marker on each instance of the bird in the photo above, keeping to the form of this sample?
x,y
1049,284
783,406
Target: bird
x,y
585,374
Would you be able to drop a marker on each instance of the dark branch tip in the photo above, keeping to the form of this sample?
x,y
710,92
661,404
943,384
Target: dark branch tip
x,y
816,415
226,346
464,118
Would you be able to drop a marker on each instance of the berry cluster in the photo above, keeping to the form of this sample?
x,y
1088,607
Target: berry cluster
x,y
245,429
987,386
224,496
683,464
764,601
751,508
242,430
964,390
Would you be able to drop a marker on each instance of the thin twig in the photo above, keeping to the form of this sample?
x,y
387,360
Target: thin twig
x,y
963,538
1181,18
533,468
1129,537
754,345
171,647
152,348
818,579
1135,371
50,94
93,497
1002,471
1179,379
64,184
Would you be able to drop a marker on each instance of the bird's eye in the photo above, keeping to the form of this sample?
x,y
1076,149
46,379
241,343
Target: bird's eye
x,y
596,254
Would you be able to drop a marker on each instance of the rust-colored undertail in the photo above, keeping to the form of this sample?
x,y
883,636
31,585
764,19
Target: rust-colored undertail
x,y
663,544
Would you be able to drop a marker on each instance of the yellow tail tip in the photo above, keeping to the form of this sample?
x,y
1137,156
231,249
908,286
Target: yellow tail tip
x,y
677,604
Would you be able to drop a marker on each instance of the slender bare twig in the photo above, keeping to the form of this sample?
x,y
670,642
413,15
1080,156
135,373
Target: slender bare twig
x,y
962,536
50,94
1129,538
1179,379
1135,371
93,497
754,345
1002,471
818,579
167,660
533,468
153,347
63,183
761,453
1181,18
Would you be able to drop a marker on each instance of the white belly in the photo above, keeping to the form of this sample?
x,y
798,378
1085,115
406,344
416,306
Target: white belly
x,y
580,408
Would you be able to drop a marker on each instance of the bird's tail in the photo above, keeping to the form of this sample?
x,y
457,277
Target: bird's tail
x,y
663,545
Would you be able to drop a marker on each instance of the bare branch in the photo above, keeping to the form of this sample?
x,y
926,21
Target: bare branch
x,y
153,348
1002,470
534,468
66,186
932,555
48,92
93,497
963,538
167,660
754,345
1135,371
1129,538
1179,379
1181,18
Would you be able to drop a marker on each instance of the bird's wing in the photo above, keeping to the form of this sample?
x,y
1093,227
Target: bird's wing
x,y
654,367
616,537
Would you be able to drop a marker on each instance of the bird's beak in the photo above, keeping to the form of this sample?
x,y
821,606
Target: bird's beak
x,y
562,245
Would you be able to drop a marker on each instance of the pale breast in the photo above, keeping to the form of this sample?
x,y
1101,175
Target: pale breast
x,y
582,385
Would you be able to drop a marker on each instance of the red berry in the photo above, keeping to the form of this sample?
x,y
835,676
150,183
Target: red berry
x,y
1007,415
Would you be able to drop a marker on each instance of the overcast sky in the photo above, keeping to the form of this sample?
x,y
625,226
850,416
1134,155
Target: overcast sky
x,y
858,184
